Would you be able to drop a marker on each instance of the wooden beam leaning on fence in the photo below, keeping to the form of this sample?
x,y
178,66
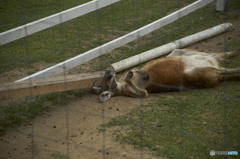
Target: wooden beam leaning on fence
x,y
50,85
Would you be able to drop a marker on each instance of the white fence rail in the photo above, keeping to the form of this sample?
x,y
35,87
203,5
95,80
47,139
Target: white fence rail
x,y
50,21
96,52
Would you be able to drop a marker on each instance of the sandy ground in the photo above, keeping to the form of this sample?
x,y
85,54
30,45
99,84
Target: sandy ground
x,y
76,124
73,129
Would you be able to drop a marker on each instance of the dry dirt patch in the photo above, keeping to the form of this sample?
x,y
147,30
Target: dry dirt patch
x,y
79,126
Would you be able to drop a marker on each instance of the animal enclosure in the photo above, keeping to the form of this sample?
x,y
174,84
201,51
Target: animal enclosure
x,y
73,124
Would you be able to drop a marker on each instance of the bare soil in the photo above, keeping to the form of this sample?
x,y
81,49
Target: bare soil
x,y
79,126
74,129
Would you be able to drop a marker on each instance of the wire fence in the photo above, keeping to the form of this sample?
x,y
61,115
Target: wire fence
x,y
73,124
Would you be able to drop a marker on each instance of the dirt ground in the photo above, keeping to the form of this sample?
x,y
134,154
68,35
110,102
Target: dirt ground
x,y
81,123
75,132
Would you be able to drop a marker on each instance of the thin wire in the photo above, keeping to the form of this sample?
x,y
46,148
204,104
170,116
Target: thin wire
x,y
137,24
79,40
123,17
225,92
30,81
181,105
65,26
102,105
134,18
67,112
5,14
65,83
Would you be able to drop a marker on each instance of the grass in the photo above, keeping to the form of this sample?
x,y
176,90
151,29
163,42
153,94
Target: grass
x,y
183,124
27,11
15,114
58,155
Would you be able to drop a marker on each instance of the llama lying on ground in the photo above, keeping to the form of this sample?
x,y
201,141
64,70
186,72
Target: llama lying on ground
x,y
181,69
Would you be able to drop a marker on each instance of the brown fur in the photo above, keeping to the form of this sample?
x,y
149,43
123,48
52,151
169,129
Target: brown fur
x,y
167,71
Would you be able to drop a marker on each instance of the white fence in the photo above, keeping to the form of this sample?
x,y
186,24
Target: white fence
x,y
96,52
52,20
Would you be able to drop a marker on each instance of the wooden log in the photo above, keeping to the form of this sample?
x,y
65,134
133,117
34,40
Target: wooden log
x,y
167,48
50,85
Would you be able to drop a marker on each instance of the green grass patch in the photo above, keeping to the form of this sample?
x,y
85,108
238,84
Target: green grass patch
x,y
59,155
17,13
61,98
185,124
13,115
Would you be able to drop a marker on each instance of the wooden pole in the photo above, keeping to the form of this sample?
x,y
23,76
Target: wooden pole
x,y
50,85
167,48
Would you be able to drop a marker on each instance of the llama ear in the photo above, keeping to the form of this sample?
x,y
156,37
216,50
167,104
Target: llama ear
x,y
110,68
105,96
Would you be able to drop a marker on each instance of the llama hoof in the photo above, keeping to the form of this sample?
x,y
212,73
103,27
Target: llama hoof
x,y
129,76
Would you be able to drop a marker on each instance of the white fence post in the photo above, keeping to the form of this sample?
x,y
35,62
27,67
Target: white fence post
x,y
222,5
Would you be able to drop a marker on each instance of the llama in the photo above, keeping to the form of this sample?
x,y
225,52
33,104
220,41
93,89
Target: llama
x,y
182,69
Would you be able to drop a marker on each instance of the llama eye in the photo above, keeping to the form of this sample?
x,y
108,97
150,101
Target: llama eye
x,y
110,76
147,77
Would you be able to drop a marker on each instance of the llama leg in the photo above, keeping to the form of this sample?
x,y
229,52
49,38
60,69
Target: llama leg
x,y
227,56
201,77
139,92
95,88
230,74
